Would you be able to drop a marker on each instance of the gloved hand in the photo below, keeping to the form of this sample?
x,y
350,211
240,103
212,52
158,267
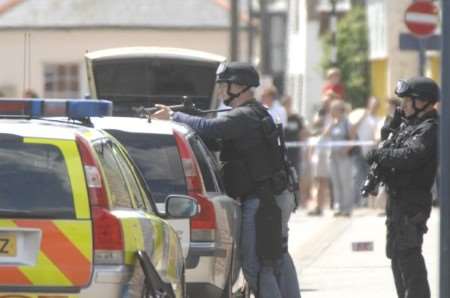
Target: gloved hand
x,y
372,156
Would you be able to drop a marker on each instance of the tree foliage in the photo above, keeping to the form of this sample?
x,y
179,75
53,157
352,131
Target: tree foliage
x,y
352,54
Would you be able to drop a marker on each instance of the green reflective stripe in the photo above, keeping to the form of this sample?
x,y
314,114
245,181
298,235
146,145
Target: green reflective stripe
x,y
75,170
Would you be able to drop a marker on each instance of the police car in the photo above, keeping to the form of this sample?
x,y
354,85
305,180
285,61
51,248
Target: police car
x,y
75,216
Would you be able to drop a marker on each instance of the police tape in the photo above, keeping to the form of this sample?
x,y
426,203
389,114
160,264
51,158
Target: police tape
x,y
329,144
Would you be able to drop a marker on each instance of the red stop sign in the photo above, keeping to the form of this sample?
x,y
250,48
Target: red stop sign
x,y
422,18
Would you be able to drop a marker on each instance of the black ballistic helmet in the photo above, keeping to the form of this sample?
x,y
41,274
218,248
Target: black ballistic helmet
x,y
420,88
240,73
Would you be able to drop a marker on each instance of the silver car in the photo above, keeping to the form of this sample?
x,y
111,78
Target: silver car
x,y
174,160
172,157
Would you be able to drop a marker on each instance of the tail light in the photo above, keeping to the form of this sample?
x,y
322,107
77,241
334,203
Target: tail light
x,y
108,237
203,225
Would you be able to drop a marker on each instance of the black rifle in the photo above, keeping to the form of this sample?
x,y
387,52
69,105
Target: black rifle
x,y
375,176
187,106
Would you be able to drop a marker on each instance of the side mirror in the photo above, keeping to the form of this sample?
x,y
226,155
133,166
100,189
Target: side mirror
x,y
181,206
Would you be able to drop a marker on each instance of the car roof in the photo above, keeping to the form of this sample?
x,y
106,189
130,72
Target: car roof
x,y
50,129
139,125
161,52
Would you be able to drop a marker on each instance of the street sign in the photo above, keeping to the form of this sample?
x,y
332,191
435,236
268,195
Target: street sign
x,y
422,18
410,42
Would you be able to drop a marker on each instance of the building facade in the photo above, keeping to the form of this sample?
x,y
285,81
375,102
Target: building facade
x,y
44,42
303,73
388,61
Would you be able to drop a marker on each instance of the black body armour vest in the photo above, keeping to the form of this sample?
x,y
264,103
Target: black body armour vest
x,y
254,160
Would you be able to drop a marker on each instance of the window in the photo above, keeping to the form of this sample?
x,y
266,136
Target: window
x,y
137,82
157,158
120,197
201,153
134,184
62,80
216,168
34,181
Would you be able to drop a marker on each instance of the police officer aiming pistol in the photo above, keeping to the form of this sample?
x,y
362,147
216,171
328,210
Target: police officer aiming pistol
x,y
408,168
254,172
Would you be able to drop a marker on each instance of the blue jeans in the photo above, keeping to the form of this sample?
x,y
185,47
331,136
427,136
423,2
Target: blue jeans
x,y
340,168
279,280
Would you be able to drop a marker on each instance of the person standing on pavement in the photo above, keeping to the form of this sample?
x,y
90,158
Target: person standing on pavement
x,y
255,174
274,107
340,160
408,166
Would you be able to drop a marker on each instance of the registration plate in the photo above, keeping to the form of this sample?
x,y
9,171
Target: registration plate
x,y
8,245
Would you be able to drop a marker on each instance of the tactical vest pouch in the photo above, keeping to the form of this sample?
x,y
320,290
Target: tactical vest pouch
x,y
279,182
236,178
269,238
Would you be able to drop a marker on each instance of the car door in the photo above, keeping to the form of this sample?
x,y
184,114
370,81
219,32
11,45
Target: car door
x,y
157,158
228,214
156,234
135,77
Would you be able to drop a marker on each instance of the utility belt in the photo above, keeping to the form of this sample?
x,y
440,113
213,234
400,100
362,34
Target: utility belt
x,y
240,181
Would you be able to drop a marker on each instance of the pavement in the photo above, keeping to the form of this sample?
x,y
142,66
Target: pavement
x,y
328,267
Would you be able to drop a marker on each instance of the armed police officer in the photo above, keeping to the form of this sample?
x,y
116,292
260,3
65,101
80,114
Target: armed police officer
x,y
254,172
408,168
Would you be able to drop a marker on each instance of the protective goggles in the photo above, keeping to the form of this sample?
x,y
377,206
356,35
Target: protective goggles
x,y
402,88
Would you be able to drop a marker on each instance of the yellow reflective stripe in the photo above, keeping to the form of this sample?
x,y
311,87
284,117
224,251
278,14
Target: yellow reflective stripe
x,y
158,241
45,273
6,223
83,241
139,236
76,173
131,232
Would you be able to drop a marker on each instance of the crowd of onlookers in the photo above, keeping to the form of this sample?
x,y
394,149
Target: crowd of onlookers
x,y
329,151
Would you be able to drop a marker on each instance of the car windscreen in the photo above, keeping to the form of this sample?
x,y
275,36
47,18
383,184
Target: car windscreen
x,y
132,83
157,157
34,181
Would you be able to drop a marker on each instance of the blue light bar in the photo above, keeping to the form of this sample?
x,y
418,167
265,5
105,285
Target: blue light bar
x,y
71,108
89,108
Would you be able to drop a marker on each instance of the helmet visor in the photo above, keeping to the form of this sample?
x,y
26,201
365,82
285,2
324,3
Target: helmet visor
x,y
221,69
221,72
